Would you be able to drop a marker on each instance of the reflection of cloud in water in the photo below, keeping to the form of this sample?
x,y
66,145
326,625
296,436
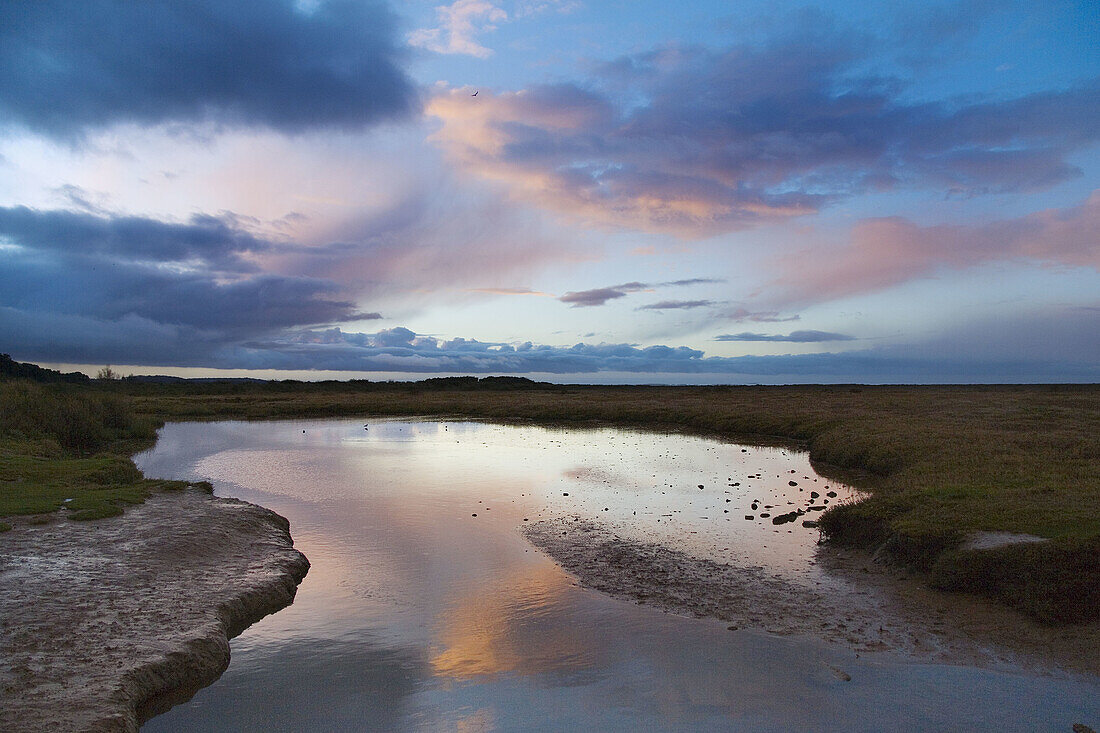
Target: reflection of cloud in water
x,y
509,625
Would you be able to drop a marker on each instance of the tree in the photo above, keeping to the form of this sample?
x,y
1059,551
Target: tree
x,y
107,373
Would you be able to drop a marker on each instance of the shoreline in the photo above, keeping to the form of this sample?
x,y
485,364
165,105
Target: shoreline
x,y
867,606
107,623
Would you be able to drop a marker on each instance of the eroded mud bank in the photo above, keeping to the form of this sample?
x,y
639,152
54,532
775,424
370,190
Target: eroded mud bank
x,y
102,621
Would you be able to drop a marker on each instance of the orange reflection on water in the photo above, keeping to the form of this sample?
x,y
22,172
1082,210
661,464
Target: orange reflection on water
x,y
509,625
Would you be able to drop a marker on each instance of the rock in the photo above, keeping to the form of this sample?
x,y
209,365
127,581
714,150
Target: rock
x,y
784,518
811,523
764,515
815,508
792,483
749,517
814,494
831,494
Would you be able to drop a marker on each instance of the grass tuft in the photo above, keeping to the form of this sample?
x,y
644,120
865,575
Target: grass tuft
x,y
1056,582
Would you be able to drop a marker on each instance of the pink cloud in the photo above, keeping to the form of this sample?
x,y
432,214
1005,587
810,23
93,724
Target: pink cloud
x,y
526,140
460,23
889,251
695,143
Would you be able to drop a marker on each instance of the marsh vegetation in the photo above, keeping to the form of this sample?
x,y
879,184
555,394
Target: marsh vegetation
x,y
942,462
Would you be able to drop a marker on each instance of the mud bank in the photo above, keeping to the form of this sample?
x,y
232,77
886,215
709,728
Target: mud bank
x,y
103,624
864,605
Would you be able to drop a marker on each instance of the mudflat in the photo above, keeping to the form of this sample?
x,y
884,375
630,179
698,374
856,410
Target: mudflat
x,y
101,622
866,605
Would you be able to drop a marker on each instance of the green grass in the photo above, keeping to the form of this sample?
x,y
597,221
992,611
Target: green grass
x,y
68,448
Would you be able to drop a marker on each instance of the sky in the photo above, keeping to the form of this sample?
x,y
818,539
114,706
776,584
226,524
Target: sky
x,y
570,190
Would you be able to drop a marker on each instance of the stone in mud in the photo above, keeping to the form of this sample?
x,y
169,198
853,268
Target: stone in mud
x,y
784,518
764,515
814,494
792,483
831,494
749,516
811,523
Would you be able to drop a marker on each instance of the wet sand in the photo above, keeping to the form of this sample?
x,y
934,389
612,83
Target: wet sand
x,y
105,623
866,606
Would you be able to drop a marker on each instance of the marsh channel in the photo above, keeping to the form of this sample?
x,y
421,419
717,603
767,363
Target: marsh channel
x,y
429,605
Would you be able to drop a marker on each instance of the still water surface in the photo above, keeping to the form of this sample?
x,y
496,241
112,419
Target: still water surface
x,y
418,616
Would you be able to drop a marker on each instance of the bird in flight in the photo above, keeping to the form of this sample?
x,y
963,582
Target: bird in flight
x,y
475,93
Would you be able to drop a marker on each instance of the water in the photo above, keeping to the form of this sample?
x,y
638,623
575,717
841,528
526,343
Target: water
x,y
418,616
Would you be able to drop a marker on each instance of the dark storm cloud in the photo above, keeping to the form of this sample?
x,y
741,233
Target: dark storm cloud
x,y
66,66
214,241
801,337
123,280
696,142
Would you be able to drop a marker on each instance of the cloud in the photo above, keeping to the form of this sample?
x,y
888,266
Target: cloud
x,y
218,243
697,142
1056,344
692,281
801,337
600,296
64,69
740,315
509,291
1043,345
433,240
460,23
132,275
889,251
675,305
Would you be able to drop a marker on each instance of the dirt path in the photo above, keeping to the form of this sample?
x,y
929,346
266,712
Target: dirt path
x,y
99,621
864,605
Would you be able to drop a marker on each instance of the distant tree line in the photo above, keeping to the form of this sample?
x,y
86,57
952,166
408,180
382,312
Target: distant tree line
x,y
11,369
